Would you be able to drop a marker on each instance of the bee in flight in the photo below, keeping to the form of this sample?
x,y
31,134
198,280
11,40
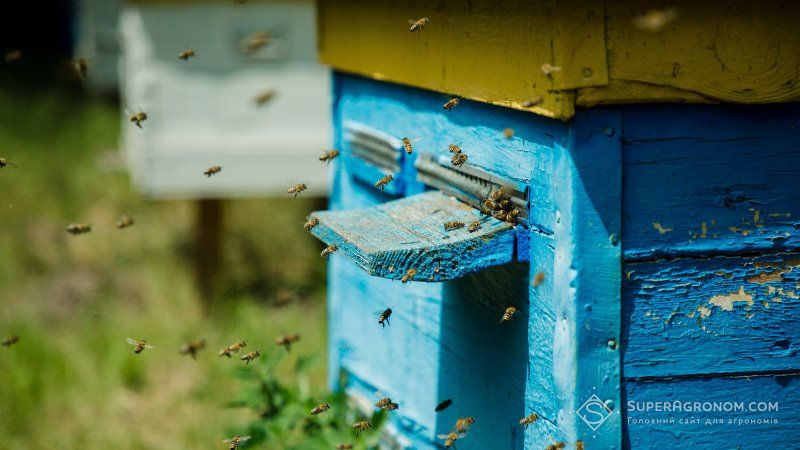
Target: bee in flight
x,y
124,222
192,347
329,155
459,159
383,318
409,275
311,223
236,441
380,184
556,446
233,348
264,97
186,54
139,345
454,149
8,342
344,447
538,279
79,228
473,226
508,133
13,55
296,189
408,144
578,445
138,118
328,251
452,103
212,171
81,66
287,340
418,25
321,408
250,356
361,426
548,70
444,405
463,424
508,314
386,403
4,162
255,41
453,225
527,420
450,438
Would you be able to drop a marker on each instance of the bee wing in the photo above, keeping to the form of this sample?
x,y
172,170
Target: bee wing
x,y
412,21
244,438
227,441
443,436
11,163
148,346
131,341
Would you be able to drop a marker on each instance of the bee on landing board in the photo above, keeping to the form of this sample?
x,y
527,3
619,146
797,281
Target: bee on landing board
x,y
450,438
508,133
361,426
452,103
453,148
192,347
380,184
329,155
508,314
233,348
250,356
383,318
328,251
579,445
236,441
8,342
344,447
409,275
139,345
124,222
419,24
548,70
321,408
213,170
311,223
463,424
264,97
474,226
296,189
556,446
4,162
186,54
527,420
453,225
287,340
138,118
444,405
79,228
459,159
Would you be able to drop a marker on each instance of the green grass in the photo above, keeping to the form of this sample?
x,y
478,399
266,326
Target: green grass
x,y
72,381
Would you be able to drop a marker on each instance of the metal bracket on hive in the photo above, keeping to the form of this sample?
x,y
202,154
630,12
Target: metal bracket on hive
x,y
390,239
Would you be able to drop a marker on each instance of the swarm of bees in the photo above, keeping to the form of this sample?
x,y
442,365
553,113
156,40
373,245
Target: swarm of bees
x,y
508,314
380,184
213,170
383,318
9,341
527,420
79,228
499,206
311,223
453,225
186,54
236,441
264,97
418,25
328,251
362,426
329,155
138,118
296,189
250,356
192,347
124,222
233,348
409,275
287,340
452,103
319,409
139,346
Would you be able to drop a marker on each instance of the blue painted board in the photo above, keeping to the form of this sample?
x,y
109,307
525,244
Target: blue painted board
x,y
389,239
706,180
718,315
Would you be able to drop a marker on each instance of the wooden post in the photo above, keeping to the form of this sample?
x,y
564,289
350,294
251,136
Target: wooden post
x,y
208,246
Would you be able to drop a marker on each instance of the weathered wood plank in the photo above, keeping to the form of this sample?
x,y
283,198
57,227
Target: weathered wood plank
x,y
690,429
718,315
392,238
709,180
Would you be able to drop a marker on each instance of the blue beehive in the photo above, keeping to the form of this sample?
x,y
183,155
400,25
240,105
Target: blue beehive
x,y
653,264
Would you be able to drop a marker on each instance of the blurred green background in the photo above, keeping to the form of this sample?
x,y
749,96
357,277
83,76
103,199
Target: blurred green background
x,y
72,381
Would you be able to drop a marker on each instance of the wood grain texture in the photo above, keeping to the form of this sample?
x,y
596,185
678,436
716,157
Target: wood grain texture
x,y
730,434
705,316
392,238
706,180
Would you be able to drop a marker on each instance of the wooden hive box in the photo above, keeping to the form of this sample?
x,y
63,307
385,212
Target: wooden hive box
x,y
655,259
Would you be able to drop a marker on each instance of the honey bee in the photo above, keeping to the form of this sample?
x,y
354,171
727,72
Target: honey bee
x,y
452,103
255,41
236,441
296,189
508,133
79,228
474,226
533,101
450,438
8,342
264,97
329,155
538,279
418,25
511,216
124,222
454,148
383,318
139,345
13,55
407,144
510,311
321,408
4,162
444,405
212,171
409,275
459,159
548,70
578,445
138,118
653,21
453,225
233,348
81,66
463,424
380,184
386,403
287,340
328,251
361,426
311,223
344,447
186,54
527,420
192,347
250,356
555,446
